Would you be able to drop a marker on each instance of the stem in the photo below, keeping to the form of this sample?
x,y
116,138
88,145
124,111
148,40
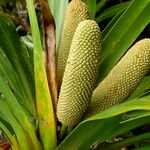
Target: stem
x,y
63,131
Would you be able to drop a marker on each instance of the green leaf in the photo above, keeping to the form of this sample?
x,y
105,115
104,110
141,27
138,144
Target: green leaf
x,y
58,9
17,56
143,148
10,75
6,128
128,141
88,138
15,125
112,11
142,89
12,103
111,24
11,45
27,39
123,34
15,142
100,4
27,44
128,125
13,107
45,112
91,4
100,126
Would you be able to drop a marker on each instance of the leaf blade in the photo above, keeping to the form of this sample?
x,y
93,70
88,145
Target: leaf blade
x,y
116,43
47,127
81,136
112,11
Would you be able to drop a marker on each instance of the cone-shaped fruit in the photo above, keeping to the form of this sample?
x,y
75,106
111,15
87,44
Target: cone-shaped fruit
x,y
76,12
123,79
80,73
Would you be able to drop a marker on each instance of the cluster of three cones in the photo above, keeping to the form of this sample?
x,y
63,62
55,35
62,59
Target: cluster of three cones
x,y
78,64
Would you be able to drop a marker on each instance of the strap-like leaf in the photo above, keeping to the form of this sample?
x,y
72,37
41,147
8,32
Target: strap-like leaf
x,y
99,126
10,75
10,106
112,11
11,46
128,141
58,9
123,34
45,111
91,8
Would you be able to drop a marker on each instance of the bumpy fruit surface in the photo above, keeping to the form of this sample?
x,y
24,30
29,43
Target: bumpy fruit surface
x,y
76,12
80,73
123,79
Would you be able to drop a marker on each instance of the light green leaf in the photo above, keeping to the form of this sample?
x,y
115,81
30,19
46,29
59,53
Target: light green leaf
x,y
27,43
15,125
44,106
6,128
58,9
91,4
13,107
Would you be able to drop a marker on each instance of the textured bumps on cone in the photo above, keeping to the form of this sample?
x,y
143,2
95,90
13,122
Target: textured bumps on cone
x,y
80,73
123,79
76,12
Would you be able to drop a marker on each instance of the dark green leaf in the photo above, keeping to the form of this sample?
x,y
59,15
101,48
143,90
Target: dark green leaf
x,y
9,74
17,56
112,11
129,141
101,4
111,24
143,148
123,34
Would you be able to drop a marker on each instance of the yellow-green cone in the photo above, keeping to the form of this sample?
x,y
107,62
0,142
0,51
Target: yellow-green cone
x,y
80,73
76,12
123,79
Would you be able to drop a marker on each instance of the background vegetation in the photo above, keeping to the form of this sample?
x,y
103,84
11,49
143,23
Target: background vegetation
x,y
22,100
